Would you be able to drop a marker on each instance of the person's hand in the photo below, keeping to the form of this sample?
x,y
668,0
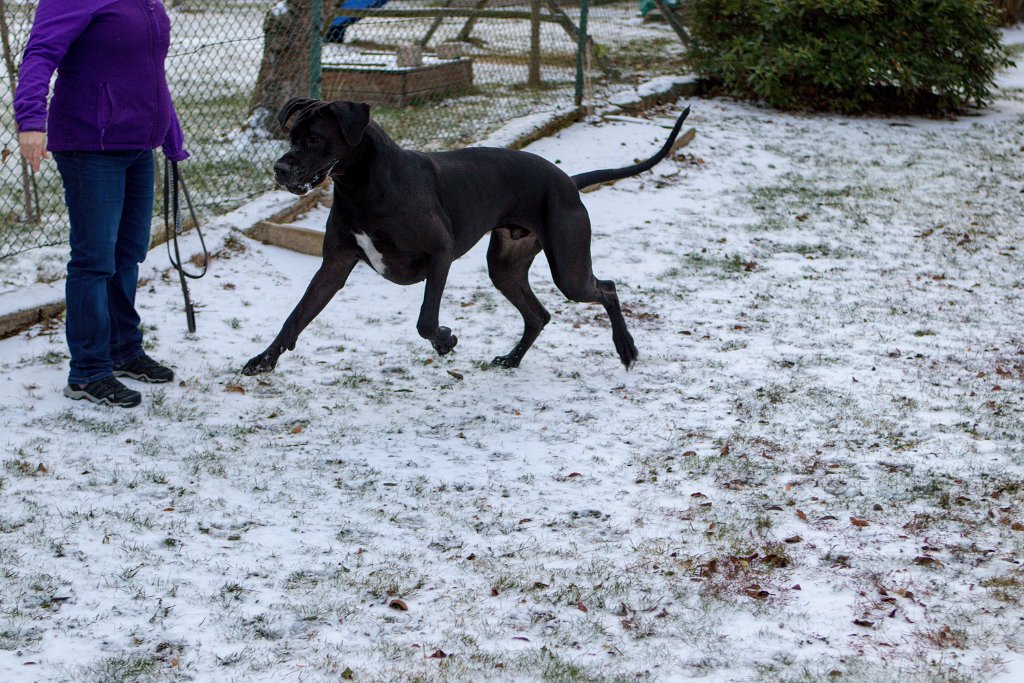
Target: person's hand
x,y
33,147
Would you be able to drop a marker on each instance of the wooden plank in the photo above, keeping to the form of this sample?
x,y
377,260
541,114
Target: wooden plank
x,y
433,28
559,16
397,86
553,126
13,323
304,204
674,22
683,140
302,240
443,12
467,28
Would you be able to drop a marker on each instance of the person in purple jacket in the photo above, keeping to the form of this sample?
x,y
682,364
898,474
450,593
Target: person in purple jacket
x,y
110,109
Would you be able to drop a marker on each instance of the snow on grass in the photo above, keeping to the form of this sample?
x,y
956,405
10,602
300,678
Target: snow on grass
x,y
813,473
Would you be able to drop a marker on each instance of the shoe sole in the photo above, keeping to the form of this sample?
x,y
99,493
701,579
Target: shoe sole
x,y
138,377
78,395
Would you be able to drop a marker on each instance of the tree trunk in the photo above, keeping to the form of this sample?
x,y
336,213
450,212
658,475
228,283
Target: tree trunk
x,y
31,211
1010,11
285,69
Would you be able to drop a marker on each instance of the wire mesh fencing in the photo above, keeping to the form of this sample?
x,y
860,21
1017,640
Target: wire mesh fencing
x,y
438,73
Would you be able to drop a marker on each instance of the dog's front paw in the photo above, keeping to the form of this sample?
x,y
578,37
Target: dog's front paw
x,y
509,361
444,341
262,363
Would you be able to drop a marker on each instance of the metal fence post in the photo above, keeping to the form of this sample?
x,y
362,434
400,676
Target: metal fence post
x,y
315,48
581,49
534,76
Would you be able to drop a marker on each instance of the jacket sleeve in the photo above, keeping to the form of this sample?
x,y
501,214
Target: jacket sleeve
x,y
57,24
174,141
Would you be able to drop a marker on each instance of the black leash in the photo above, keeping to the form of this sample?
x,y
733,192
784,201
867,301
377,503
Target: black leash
x,y
172,181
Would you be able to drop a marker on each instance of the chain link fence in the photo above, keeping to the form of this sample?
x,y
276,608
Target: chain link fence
x,y
439,73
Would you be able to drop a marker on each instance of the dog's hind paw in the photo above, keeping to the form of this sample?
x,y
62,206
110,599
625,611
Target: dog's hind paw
x,y
627,351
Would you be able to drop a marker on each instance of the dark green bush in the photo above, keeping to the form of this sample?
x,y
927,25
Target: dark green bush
x,y
849,55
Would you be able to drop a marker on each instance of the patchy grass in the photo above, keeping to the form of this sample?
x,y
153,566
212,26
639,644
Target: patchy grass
x,y
814,473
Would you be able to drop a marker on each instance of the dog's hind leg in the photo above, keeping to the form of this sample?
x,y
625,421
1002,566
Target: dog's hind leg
x,y
330,278
567,247
508,262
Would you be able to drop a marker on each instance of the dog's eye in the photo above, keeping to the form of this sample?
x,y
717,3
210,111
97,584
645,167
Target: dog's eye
x,y
314,139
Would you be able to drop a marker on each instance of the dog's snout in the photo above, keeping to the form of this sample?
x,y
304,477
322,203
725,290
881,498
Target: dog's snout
x,y
281,169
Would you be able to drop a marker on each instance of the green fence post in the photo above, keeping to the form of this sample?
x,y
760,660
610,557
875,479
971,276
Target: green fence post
x,y
580,49
533,79
315,46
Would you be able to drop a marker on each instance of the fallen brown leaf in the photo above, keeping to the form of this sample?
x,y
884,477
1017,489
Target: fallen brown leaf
x,y
756,592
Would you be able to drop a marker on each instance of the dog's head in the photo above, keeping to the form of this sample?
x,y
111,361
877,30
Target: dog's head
x,y
323,135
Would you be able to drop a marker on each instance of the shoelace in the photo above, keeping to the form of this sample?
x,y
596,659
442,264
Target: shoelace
x,y
109,386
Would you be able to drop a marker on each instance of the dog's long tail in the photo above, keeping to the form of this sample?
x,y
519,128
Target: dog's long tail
x,y
597,177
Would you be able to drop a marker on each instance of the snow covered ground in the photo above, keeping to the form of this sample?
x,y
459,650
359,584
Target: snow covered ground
x,y
815,472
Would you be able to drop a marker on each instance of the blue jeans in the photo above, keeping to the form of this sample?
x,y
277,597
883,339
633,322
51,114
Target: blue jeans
x,y
110,205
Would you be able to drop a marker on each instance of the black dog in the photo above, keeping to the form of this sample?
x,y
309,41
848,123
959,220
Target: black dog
x,y
409,215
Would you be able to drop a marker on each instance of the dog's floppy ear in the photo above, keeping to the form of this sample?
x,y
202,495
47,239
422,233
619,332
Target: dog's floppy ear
x,y
353,117
289,109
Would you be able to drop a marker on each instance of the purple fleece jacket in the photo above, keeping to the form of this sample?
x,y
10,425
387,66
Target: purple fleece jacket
x,y
111,91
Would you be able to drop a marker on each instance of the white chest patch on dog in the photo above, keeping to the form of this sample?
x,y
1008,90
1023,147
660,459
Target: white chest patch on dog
x,y
374,256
